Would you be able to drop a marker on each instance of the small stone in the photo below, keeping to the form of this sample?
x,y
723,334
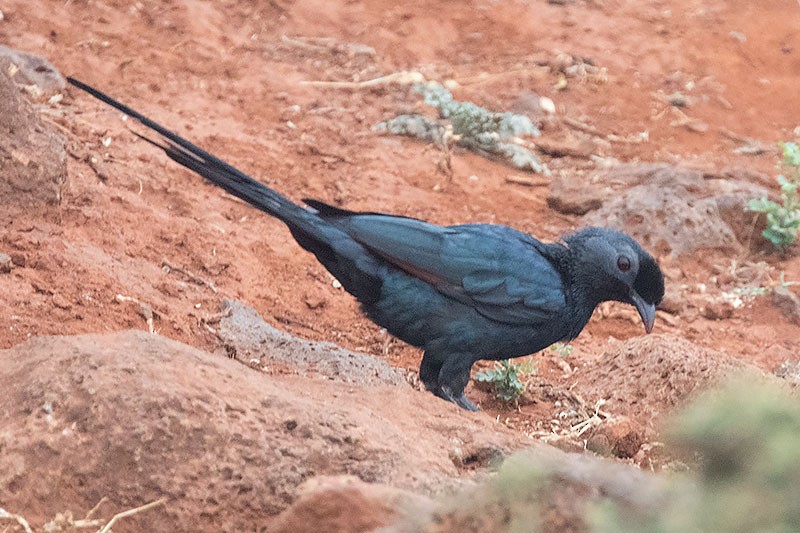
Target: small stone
x,y
6,263
789,370
787,302
618,436
599,444
547,105
315,302
61,302
718,310
570,146
672,303
18,259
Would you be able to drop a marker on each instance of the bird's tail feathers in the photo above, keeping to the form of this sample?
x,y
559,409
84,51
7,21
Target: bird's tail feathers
x,y
208,165
357,270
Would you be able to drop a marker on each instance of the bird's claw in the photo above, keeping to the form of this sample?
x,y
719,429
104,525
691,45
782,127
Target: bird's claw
x,y
462,401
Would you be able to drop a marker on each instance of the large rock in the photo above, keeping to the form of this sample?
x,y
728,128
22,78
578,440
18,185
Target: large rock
x,y
136,417
671,210
245,336
345,504
33,158
33,73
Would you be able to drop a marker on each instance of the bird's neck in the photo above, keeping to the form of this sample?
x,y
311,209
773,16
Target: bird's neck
x,y
582,296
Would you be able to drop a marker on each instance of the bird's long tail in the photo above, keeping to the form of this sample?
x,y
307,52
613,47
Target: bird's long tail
x,y
356,268
207,165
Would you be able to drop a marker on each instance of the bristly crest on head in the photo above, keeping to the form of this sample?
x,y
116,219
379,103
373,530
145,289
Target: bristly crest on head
x,y
649,282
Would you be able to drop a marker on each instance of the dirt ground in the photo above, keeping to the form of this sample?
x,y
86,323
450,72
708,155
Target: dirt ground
x,y
231,76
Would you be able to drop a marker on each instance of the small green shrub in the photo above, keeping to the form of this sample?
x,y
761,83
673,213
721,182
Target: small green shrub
x,y
505,377
783,220
562,349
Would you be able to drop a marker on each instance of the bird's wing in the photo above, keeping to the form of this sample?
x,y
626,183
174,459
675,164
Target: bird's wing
x,y
495,269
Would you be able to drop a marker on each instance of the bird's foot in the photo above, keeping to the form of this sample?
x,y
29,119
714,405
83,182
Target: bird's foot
x,y
462,401
465,403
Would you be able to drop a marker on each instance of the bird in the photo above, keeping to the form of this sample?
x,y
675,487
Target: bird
x,y
461,293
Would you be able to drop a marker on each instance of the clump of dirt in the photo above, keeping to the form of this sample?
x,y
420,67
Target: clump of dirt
x,y
134,417
33,158
646,378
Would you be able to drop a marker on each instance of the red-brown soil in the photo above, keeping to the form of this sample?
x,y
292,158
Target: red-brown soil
x,y
229,75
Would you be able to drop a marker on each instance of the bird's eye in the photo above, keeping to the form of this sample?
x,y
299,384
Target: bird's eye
x,y
623,263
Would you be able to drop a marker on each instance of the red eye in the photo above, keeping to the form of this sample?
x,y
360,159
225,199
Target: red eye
x,y
623,263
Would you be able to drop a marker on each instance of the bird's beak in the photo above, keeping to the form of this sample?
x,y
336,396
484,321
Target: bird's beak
x,y
646,311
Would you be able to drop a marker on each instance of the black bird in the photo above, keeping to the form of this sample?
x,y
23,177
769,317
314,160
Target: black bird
x,y
461,293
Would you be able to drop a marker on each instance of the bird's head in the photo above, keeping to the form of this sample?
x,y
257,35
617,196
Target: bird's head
x,y
610,265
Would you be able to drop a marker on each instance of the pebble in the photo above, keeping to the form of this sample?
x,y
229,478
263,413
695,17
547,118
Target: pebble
x,y
673,303
315,302
718,310
788,303
18,259
6,264
61,302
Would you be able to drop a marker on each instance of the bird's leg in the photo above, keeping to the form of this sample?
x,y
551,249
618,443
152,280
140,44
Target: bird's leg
x,y
453,379
429,371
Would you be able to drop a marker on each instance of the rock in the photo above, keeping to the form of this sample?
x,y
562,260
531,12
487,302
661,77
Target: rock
x,y
617,436
572,146
61,302
666,216
32,72
788,303
136,417
671,210
790,371
33,158
673,303
315,302
18,259
344,504
577,194
570,196
246,336
6,264
718,310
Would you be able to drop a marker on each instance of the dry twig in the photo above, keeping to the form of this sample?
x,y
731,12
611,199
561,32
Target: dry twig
x,y
527,181
193,277
145,311
131,512
404,77
582,126
19,519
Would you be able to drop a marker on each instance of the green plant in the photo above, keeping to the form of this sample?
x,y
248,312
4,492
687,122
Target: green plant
x,y
783,220
505,377
562,349
487,133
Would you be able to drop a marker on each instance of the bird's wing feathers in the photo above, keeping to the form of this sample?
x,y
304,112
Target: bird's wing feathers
x,y
495,269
